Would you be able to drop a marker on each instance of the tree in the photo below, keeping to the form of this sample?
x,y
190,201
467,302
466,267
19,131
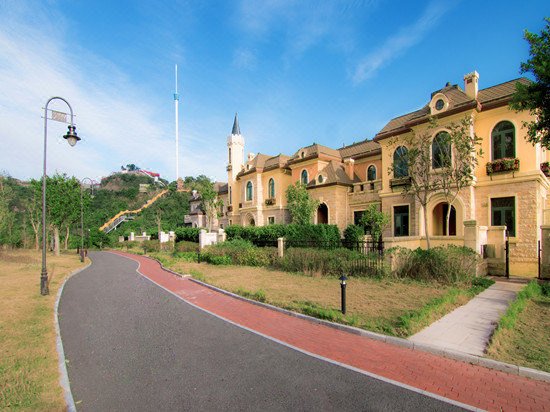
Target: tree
x,y
460,161
535,96
7,215
300,204
456,164
210,202
62,203
374,221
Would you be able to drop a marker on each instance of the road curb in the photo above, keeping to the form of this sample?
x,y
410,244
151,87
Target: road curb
x,y
64,378
447,353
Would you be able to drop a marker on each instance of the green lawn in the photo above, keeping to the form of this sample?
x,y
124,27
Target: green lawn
x,y
523,336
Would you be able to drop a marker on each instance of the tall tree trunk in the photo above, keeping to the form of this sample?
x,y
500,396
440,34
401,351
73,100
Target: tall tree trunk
x,y
67,238
426,229
56,240
447,219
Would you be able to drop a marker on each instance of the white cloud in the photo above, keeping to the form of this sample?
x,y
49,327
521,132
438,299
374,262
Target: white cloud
x,y
399,43
301,25
244,59
117,119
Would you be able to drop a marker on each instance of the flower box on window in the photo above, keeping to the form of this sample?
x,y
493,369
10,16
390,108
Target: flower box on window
x,y
502,165
400,181
545,168
270,202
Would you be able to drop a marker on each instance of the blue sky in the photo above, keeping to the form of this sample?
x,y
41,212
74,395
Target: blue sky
x,y
297,72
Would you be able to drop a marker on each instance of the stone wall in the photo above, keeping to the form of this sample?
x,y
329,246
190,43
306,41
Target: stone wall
x,y
336,199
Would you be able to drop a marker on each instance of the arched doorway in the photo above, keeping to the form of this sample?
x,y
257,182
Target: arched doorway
x,y
322,214
439,220
251,222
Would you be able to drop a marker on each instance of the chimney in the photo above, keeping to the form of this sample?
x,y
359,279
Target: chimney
x,y
349,164
471,81
250,157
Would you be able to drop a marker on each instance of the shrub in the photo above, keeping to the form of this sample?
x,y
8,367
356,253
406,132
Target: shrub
x,y
353,234
190,234
186,246
150,245
240,252
450,264
293,233
335,262
259,295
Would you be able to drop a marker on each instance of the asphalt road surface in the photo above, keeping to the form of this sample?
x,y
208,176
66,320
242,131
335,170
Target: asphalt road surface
x,y
132,346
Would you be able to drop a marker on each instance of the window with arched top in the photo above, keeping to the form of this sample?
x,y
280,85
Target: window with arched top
x,y
249,191
229,155
503,140
371,172
271,188
400,164
320,179
303,177
441,150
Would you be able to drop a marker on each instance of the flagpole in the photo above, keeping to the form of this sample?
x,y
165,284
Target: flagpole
x,y
176,101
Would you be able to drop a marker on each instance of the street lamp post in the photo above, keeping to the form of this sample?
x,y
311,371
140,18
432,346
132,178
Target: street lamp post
x,y
72,138
82,216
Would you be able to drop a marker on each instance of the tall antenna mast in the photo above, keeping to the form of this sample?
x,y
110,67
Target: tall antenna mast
x,y
176,102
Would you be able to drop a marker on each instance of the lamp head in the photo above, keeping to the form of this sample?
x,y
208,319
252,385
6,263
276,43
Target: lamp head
x,y
343,279
71,135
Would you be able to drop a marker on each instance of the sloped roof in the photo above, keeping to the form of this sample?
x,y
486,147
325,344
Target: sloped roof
x,y
221,187
359,149
335,173
458,99
500,91
276,161
314,150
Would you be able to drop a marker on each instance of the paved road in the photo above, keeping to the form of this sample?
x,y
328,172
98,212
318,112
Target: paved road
x,y
131,345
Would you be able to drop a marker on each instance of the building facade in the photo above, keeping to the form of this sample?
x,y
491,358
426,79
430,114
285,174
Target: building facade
x,y
509,188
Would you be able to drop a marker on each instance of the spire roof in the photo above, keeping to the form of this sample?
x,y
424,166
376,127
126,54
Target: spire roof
x,y
236,128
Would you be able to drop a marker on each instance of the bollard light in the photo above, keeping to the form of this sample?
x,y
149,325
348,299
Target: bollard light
x,y
343,279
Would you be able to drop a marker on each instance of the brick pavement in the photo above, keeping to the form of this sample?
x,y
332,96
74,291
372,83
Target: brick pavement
x,y
462,382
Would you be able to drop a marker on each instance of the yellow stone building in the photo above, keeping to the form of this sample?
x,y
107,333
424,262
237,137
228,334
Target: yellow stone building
x,y
347,180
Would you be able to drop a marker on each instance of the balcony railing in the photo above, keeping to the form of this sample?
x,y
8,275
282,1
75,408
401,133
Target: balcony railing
x,y
502,165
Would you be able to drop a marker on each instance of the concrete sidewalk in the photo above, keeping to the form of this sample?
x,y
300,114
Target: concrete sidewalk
x,y
468,328
458,381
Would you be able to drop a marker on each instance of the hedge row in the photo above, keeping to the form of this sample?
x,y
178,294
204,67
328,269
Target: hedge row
x,y
190,234
292,232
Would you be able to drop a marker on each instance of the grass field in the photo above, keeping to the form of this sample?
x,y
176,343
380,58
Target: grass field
x,y
29,377
399,308
523,337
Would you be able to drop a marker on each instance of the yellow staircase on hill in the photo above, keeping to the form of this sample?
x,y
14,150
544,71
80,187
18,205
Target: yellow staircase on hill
x,y
124,215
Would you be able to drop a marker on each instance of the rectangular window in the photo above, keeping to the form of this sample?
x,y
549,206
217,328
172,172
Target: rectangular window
x,y
401,220
271,220
357,215
503,213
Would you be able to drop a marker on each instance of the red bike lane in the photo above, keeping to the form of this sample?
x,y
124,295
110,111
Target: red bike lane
x,y
462,382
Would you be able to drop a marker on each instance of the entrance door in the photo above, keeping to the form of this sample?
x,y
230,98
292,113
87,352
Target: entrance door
x,y
322,214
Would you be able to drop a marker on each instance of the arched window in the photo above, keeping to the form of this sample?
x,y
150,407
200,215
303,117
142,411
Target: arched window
x,y
229,155
503,140
371,172
303,178
441,150
271,188
249,191
230,196
400,166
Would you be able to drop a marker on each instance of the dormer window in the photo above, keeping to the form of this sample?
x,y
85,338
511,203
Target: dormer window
x,y
302,154
320,179
439,103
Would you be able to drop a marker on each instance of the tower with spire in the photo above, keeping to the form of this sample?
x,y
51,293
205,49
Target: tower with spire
x,y
235,156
